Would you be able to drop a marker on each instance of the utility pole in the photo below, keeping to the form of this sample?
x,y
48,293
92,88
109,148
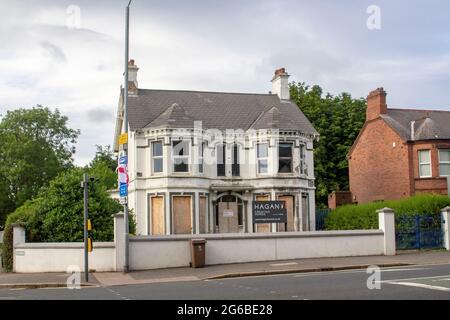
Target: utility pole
x,y
85,185
125,147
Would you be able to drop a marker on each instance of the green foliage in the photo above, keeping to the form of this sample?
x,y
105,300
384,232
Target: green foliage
x,y
36,146
103,167
7,249
364,216
338,119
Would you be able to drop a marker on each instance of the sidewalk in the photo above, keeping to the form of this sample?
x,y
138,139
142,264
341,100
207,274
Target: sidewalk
x,y
11,280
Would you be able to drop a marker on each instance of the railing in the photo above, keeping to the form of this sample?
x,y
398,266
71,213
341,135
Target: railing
x,y
321,215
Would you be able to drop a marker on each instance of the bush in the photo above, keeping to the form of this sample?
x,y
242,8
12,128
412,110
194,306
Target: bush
x,y
364,216
7,249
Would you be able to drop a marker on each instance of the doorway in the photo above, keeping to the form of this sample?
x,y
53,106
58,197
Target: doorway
x,y
182,214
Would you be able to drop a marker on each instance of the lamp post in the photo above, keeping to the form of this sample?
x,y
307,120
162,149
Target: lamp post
x,y
125,147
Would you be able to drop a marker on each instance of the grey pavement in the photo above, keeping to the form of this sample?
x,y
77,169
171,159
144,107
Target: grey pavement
x,y
234,270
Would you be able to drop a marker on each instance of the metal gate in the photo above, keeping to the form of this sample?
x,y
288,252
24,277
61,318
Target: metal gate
x,y
418,232
321,214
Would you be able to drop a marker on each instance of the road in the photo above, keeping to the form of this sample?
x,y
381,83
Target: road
x,y
415,282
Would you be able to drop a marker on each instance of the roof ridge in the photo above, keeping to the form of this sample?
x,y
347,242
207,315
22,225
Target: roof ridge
x,y
215,92
418,110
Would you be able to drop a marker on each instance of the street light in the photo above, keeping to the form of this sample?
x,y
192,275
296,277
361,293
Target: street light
x,y
125,94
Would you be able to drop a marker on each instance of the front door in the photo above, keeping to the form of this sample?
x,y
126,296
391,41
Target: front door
x,y
228,217
182,214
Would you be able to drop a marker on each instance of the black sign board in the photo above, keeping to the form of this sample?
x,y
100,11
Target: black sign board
x,y
269,212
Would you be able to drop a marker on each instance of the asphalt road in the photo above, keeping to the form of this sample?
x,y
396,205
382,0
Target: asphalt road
x,y
416,282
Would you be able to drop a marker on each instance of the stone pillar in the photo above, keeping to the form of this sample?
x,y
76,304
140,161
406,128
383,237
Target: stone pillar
x,y
386,222
445,227
119,240
18,238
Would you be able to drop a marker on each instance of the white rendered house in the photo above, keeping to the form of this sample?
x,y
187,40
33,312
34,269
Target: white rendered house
x,y
198,160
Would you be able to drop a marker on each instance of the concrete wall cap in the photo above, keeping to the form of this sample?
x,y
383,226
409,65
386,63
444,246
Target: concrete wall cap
x,y
386,210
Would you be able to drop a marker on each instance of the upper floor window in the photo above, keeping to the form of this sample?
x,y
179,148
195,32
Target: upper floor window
x,y
201,147
444,162
235,168
180,155
285,157
157,157
262,155
424,163
303,167
220,152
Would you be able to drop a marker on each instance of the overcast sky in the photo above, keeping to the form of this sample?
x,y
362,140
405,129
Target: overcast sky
x,y
49,57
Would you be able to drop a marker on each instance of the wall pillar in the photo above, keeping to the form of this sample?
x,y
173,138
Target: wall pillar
x,y
386,222
18,238
119,240
445,227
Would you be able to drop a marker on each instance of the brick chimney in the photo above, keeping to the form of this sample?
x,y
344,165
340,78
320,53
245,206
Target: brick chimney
x,y
280,84
132,78
376,104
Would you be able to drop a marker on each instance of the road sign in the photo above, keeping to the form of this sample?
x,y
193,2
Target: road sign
x,y
123,200
123,190
123,139
269,212
123,160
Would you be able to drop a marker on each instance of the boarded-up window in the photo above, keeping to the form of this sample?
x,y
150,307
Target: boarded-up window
x,y
157,214
203,210
289,204
182,214
262,227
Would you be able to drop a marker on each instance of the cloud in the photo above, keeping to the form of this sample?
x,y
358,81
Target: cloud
x,y
217,46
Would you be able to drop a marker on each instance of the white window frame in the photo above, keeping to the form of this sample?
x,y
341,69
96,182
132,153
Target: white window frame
x,y
258,159
443,162
424,164
157,157
200,153
303,163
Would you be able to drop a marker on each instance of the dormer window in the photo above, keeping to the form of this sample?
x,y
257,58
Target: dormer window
x,y
180,155
285,158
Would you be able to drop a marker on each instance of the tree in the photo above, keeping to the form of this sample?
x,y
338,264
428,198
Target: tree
x,y
103,167
338,119
36,146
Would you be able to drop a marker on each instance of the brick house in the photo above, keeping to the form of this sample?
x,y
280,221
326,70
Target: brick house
x,y
399,152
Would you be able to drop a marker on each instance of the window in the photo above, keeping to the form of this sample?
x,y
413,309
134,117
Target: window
x,y
235,168
285,157
424,163
303,167
444,162
201,147
157,157
180,156
220,150
262,155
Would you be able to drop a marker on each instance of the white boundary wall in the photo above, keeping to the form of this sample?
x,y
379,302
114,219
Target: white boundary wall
x,y
150,252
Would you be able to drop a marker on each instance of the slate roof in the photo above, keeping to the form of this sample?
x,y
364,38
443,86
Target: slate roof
x,y
218,110
429,124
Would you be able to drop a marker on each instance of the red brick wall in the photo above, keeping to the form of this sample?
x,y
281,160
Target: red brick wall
x,y
378,164
339,198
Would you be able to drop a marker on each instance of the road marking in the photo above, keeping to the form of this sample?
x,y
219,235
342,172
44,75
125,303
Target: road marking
x,y
412,279
283,264
421,285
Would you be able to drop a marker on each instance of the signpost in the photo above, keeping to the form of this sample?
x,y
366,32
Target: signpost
x,y
269,212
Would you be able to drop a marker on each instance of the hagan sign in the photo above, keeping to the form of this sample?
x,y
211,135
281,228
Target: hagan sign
x,y
269,212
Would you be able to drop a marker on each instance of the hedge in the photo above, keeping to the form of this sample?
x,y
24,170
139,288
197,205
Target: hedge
x,y
364,216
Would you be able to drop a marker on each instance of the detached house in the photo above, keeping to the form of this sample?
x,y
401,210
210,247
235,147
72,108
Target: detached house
x,y
198,160
399,152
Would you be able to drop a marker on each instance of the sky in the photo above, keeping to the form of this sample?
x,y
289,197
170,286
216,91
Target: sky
x,y
70,54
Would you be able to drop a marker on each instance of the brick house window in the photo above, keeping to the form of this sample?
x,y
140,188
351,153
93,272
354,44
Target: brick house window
x,y
285,157
262,155
444,162
424,163
157,157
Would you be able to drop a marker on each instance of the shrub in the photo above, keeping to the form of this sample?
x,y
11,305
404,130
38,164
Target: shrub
x,y
7,249
364,216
